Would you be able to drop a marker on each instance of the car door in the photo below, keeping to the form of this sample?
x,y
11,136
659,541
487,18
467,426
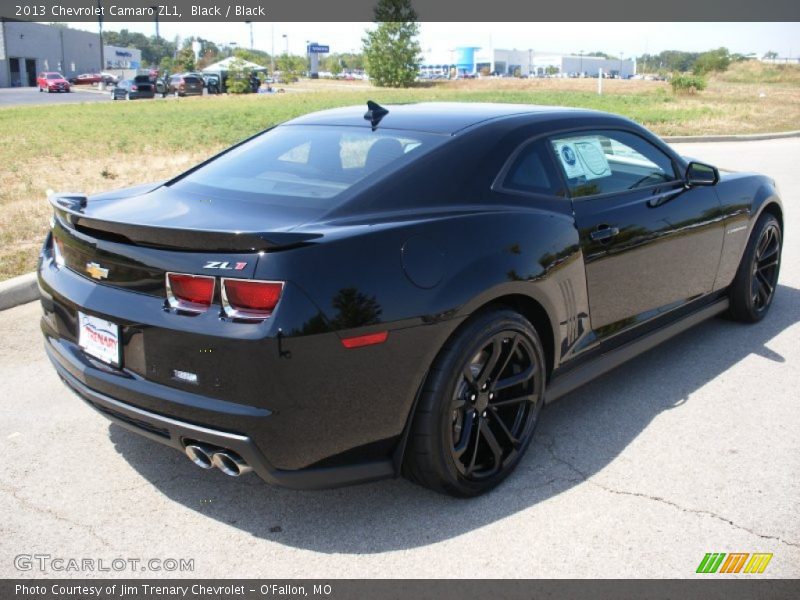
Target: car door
x,y
650,243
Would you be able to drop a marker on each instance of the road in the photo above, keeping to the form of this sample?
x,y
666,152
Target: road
x,y
688,449
29,96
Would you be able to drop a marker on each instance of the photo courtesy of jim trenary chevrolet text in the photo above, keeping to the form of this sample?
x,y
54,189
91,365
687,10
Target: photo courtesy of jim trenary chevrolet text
x,y
399,299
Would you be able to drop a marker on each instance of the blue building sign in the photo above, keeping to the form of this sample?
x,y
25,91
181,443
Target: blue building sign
x,y
318,49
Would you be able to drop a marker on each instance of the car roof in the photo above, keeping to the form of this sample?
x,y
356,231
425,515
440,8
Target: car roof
x,y
434,117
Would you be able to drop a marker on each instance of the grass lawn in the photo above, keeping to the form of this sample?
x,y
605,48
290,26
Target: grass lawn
x,y
97,146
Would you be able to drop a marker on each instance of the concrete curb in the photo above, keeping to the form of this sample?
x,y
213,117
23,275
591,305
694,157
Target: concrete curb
x,y
748,137
18,290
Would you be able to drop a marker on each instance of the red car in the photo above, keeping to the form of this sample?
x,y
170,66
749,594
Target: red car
x,y
52,82
87,78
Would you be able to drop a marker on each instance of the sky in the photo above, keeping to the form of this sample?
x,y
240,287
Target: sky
x,y
437,39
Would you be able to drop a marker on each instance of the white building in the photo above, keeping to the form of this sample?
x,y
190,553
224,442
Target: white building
x,y
524,63
532,63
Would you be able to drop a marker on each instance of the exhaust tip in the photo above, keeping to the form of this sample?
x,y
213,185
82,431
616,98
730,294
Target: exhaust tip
x,y
229,463
200,455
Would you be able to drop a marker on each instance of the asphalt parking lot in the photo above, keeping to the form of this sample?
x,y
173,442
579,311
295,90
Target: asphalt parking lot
x,y
31,95
688,449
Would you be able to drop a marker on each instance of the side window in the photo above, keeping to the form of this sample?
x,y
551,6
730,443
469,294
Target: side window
x,y
604,162
532,172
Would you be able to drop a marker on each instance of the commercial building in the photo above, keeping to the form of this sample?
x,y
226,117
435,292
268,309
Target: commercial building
x,y
470,60
29,48
530,63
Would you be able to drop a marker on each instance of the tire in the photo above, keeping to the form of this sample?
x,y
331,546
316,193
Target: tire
x,y
756,280
40,90
468,434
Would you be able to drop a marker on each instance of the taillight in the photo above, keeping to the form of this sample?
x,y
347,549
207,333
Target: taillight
x,y
249,299
192,293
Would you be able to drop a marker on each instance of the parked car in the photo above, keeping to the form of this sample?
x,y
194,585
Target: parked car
x,y
133,89
50,81
200,76
86,79
185,85
109,78
321,305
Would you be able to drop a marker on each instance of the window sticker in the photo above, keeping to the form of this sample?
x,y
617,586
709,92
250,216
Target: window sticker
x,y
591,155
568,156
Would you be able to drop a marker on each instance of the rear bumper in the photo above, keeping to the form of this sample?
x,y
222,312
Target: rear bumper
x,y
176,433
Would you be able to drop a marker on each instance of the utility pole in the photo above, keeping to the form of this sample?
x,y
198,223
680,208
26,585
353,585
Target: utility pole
x,y
100,24
272,49
155,14
250,23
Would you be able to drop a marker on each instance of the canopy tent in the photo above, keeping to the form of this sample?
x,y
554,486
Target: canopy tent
x,y
225,65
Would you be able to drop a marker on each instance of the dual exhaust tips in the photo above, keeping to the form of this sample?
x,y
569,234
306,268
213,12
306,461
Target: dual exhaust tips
x,y
206,457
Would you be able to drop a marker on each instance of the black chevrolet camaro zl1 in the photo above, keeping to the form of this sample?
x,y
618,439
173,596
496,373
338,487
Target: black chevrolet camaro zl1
x,y
352,296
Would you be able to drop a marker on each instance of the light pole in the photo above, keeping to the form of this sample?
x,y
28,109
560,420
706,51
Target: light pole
x,y
581,63
100,24
272,49
530,61
286,38
250,23
155,14
621,54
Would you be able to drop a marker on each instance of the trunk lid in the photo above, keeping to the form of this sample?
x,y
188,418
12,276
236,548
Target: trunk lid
x,y
131,240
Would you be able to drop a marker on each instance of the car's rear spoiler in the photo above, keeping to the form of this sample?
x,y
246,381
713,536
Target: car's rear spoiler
x,y
69,211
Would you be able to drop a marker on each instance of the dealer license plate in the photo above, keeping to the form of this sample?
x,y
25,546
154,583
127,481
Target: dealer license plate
x,y
99,338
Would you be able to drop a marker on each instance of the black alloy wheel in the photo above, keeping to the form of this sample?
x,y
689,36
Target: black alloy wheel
x,y
756,281
765,266
479,407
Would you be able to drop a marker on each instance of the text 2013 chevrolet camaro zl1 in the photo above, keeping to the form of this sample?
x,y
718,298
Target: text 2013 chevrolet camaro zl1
x,y
353,296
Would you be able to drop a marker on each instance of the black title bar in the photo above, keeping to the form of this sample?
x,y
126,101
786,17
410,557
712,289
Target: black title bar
x,y
427,10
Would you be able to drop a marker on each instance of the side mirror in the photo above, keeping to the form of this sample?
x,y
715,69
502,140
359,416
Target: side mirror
x,y
698,173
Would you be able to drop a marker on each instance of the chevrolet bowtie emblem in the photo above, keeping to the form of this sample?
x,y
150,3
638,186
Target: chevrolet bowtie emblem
x,y
96,271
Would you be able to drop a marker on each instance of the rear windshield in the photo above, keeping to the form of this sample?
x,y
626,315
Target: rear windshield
x,y
54,76
307,166
142,79
191,79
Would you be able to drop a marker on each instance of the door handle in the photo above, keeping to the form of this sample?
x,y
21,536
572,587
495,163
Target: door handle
x,y
604,232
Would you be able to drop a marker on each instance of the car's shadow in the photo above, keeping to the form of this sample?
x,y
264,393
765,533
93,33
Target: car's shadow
x,y
590,427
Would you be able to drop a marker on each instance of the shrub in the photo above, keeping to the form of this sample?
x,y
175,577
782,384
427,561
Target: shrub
x,y
238,75
688,84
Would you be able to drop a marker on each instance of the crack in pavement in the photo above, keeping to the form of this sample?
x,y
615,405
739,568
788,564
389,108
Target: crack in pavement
x,y
698,511
14,493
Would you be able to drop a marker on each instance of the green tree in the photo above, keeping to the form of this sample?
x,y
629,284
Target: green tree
x,y
391,50
713,60
153,50
258,57
238,78
185,59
